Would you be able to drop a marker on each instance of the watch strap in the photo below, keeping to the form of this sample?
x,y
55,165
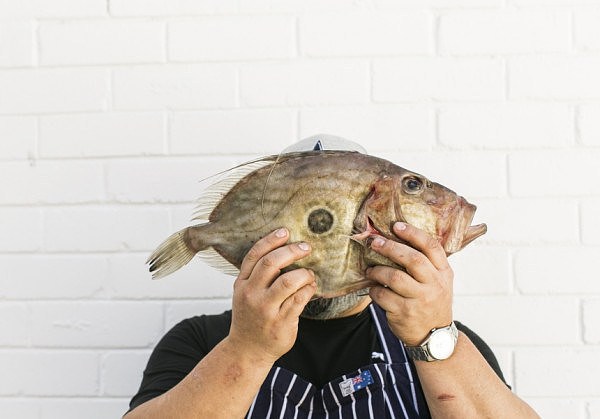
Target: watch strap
x,y
421,352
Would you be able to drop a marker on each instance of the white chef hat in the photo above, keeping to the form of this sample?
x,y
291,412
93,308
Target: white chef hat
x,y
325,142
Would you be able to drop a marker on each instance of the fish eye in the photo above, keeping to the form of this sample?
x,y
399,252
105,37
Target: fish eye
x,y
320,221
412,184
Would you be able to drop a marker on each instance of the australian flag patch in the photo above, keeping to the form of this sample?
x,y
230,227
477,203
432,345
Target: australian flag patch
x,y
353,384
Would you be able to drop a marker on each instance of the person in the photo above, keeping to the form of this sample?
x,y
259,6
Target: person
x,y
394,352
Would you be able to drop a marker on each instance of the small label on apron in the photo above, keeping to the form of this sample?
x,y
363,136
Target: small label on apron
x,y
353,384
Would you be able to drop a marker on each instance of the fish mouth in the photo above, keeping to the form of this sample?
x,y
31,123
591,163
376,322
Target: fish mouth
x,y
462,232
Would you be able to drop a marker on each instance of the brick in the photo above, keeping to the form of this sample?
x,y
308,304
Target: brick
x,y
481,270
170,8
130,279
113,229
28,276
560,77
53,90
558,407
51,182
591,320
122,372
175,87
557,173
96,324
496,126
15,324
587,33
523,314
101,42
56,8
20,229
446,4
455,170
588,124
35,372
304,82
20,408
527,221
594,409
556,270
562,371
248,131
494,32
366,33
438,79
590,228
232,38
16,44
295,6
18,135
552,2
376,127
106,134
179,310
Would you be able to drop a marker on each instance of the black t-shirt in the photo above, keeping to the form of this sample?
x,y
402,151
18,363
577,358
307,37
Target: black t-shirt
x,y
324,350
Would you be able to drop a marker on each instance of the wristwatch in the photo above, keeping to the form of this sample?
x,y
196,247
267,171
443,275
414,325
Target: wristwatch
x,y
438,345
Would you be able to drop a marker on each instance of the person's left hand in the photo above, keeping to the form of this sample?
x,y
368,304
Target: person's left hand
x,y
419,299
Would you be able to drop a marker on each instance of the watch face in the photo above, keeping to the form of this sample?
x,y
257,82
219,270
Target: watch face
x,y
441,344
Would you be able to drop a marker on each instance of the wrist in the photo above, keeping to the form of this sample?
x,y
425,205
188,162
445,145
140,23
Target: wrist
x,y
247,352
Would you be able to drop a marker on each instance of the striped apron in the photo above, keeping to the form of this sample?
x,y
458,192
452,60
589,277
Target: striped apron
x,y
388,389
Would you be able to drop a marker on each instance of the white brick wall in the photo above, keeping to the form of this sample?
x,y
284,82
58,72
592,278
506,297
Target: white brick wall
x,y
112,110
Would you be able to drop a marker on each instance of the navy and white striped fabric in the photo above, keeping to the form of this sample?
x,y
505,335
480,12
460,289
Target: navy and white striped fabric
x,y
393,393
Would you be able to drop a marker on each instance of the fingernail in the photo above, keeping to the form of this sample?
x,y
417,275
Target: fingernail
x,y
378,242
400,226
282,232
303,246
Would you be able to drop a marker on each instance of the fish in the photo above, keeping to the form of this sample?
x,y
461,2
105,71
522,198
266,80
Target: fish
x,y
337,201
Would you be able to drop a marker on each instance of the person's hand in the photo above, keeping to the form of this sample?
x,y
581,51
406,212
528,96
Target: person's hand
x,y
419,299
266,303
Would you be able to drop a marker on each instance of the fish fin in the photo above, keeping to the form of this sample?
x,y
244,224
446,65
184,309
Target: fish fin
x,y
215,192
176,251
214,259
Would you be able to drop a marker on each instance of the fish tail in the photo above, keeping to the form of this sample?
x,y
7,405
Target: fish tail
x,y
177,250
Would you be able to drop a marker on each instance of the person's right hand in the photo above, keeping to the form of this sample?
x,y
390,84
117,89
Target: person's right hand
x,y
266,303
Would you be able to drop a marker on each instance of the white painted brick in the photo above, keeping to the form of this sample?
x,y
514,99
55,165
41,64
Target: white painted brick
x,y
106,134
20,408
456,170
557,173
53,276
375,127
101,42
18,134
594,409
235,131
295,6
494,32
566,372
481,270
556,270
587,30
55,8
590,227
558,408
445,4
366,33
554,77
96,324
20,229
170,7
175,87
16,44
177,311
129,278
417,79
506,126
589,124
232,38
36,372
15,324
305,82
122,372
112,229
591,320
55,90
51,182
528,318
552,2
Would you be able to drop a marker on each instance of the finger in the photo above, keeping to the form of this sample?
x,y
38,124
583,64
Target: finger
x,y
415,262
396,280
293,305
387,299
288,283
429,245
271,241
268,267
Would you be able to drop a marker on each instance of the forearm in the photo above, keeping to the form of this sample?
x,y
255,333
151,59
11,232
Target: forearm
x,y
222,385
465,386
